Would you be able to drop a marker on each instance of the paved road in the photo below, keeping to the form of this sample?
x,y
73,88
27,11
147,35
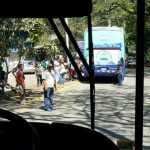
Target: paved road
x,y
115,108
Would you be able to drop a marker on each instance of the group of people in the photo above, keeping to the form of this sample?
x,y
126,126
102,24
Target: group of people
x,y
48,81
48,74
59,67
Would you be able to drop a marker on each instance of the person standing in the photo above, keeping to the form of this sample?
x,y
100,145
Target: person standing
x,y
49,83
2,80
20,79
62,72
57,68
38,73
120,71
71,72
43,64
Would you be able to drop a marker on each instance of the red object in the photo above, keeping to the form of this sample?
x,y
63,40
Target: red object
x,y
20,77
72,72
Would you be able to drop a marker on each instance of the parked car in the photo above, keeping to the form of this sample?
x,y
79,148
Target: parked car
x,y
131,61
29,66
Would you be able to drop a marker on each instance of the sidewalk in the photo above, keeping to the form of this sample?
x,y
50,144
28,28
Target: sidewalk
x,y
34,94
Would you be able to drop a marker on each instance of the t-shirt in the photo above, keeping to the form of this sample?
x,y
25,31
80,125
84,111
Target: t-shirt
x,y
38,70
63,69
20,77
47,62
43,64
49,78
56,65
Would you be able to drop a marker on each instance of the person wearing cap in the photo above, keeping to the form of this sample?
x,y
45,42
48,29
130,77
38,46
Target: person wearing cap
x,y
49,83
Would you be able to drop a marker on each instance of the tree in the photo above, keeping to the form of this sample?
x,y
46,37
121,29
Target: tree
x,y
110,13
147,30
48,45
20,34
117,13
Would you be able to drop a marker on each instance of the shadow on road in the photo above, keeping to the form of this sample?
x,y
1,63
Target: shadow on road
x,y
114,110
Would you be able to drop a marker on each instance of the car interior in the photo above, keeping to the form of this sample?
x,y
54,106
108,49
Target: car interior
x,y
18,134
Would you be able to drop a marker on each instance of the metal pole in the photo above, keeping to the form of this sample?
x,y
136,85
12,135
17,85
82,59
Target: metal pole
x,y
72,39
91,75
67,39
63,43
139,75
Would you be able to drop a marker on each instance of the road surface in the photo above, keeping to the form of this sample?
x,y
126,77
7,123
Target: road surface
x,y
114,111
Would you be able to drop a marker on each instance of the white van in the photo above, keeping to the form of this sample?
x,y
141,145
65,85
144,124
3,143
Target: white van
x,y
29,65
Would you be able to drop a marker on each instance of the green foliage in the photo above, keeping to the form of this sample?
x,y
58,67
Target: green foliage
x,y
147,29
20,34
110,13
17,32
49,45
117,13
78,26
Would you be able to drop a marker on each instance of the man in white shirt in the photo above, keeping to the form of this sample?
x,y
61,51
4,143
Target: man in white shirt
x,y
49,82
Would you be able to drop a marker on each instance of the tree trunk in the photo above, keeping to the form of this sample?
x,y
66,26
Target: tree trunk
x,y
109,22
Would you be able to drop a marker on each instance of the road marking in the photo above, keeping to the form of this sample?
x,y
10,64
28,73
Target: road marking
x,y
65,88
